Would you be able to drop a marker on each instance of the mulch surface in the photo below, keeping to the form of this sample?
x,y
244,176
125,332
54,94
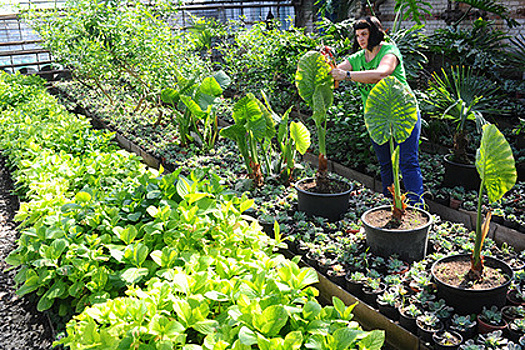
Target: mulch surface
x,y
382,218
22,327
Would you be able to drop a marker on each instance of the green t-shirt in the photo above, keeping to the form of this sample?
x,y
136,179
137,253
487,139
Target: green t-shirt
x,y
358,62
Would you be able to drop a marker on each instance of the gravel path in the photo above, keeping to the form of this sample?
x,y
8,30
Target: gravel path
x,y
22,327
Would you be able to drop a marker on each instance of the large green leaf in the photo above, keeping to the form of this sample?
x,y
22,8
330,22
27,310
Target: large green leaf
x,y
170,96
234,132
301,136
194,108
390,111
495,163
211,87
246,108
222,78
314,73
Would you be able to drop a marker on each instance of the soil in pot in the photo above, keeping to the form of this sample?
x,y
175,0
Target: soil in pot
x,y
332,186
382,218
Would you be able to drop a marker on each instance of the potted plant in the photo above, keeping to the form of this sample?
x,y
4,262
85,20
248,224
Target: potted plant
x,y
428,324
516,296
512,312
471,345
464,325
516,329
490,319
390,116
462,279
444,340
407,316
319,196
388,304
461,97
493,340
354,283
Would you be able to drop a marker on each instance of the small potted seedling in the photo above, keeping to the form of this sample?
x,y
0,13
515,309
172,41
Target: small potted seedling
x,y
407,316
516,329
491,319
460,277
428,324
446,340
464,325
493,340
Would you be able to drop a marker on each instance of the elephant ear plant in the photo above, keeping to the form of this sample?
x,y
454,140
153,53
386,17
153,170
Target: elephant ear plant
x,y
390,116
315,86
496,167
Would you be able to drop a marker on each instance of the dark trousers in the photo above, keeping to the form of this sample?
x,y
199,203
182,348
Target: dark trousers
x,y
408,165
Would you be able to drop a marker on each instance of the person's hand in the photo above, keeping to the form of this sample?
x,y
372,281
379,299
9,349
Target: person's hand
x,y
338,74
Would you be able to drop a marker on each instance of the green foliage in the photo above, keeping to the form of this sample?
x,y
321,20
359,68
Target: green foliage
x,y
412,43
459,96
107,43
390,116
413,9
254,132
496,167
315,86
492,6
194,108
481,47
265,58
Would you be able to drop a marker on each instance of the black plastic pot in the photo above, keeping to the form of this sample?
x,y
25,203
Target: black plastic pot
x,y
328,205
457,174
472,301
409,245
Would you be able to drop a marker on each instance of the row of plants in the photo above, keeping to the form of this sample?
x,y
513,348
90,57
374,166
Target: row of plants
x,y
339,269
158,260
262,60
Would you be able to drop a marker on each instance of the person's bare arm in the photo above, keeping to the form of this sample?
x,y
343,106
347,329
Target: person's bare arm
x,y
386,67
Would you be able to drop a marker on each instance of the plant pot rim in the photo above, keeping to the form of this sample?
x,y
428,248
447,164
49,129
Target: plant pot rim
x,y
509,272
344,193
393,231
448,160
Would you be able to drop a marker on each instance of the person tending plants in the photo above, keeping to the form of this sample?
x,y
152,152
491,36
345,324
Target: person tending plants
x,y
376,61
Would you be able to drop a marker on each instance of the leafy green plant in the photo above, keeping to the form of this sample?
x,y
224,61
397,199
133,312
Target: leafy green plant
x,y
315,86
492,316
413,9
390,116
461,323
496,167
253,132
194,108
460,97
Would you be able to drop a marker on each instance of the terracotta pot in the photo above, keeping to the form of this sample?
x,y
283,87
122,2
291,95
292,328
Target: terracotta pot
x,y
485,327
508,314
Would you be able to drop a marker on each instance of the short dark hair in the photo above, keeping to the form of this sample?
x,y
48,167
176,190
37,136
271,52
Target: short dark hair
x,y
377,34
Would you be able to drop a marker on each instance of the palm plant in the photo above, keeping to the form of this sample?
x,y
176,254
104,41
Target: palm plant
x,y
461,96
517,55
390,116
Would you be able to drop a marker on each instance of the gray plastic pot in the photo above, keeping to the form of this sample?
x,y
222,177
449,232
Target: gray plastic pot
x,y
409,245
328,205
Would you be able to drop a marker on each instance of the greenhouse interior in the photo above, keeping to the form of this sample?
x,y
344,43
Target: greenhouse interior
x,y
280,174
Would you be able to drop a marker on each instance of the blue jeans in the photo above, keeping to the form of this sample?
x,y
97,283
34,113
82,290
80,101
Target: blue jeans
x,y
408,165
